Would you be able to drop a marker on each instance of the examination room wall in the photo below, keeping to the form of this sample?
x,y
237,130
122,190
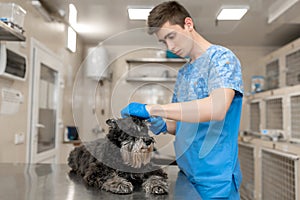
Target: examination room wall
x,y
53,36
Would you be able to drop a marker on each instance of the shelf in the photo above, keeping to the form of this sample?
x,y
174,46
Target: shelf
x,y
150,79
9,34
145,73
156,60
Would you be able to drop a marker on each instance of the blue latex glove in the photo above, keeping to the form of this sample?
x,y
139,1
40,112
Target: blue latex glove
x,y
157,125
135,109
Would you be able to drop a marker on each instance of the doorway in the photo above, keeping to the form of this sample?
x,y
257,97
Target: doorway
x,y
45,105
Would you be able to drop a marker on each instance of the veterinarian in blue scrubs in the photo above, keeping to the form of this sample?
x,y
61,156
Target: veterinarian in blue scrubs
x,y
206,106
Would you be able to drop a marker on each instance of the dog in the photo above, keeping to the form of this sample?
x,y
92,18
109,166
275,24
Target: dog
x,y
120,161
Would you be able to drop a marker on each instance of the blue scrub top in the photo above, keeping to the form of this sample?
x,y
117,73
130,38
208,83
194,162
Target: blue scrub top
x,y
208,152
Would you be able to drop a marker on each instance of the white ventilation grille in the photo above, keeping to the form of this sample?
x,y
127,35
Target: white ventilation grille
x,y
272,75
293,68
254,117
274,116
278,175
295,117
246,156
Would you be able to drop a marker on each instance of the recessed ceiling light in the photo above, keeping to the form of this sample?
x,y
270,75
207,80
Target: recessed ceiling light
x,y
138,13
232,13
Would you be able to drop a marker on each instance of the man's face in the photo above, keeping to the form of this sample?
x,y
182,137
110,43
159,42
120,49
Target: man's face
x,y
177,39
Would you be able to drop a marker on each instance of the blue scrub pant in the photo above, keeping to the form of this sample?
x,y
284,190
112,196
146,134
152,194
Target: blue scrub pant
x,y
234,194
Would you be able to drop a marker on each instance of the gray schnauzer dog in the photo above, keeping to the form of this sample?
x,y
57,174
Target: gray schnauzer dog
x,y
120,161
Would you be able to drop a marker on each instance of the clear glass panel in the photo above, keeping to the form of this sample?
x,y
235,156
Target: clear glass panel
x,y
47,109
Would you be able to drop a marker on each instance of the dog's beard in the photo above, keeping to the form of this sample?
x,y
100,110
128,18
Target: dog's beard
x,y
136,154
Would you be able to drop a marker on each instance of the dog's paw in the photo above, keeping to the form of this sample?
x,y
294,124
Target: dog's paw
x,y
91,177
118,185
93,181
156,185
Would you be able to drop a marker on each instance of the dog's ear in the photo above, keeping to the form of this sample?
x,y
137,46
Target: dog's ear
x,y
112,123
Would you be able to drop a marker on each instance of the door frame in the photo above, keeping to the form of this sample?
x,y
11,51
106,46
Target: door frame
x,y
38,46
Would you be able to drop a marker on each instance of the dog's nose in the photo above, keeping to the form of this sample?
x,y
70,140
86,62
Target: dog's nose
x,y
147,141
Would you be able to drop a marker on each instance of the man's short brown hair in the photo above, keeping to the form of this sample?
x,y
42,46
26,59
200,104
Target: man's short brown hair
x,y
167,11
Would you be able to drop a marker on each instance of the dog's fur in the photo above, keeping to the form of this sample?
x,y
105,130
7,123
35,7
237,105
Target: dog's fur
x,y
121,160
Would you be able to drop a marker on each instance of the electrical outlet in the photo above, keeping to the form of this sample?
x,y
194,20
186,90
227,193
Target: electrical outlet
x,y
19,138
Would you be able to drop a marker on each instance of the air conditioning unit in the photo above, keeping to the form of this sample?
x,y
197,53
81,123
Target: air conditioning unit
x,y
12,64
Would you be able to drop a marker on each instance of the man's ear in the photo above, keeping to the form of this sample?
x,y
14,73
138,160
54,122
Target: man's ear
x,y
188,23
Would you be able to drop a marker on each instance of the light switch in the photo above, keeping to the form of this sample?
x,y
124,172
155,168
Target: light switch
x,y
19,138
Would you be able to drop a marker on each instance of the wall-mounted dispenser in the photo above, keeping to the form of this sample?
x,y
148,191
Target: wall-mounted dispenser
x,y
10,101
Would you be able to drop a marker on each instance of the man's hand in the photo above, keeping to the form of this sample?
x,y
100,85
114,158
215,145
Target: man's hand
x,y
135,109
158,125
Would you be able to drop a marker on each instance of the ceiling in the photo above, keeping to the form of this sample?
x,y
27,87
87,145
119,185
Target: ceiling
x,y
100,20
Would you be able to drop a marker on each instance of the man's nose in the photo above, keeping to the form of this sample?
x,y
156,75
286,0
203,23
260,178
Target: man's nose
x,y
170,46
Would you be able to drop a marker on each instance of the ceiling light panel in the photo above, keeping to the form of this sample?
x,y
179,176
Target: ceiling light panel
x,y
72,15
72,39
232,13
138,13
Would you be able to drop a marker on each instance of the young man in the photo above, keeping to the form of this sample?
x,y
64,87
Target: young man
x,y
206,106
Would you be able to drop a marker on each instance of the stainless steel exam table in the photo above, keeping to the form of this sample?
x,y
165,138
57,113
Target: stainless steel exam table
x,y
52,182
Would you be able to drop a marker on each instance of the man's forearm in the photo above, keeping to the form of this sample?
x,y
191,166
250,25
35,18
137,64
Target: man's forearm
x,y
186,111
213,107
